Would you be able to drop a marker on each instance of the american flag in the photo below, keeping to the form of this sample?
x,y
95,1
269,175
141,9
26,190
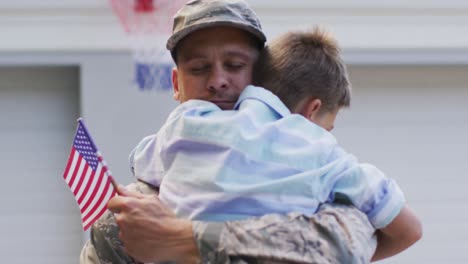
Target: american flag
x,y
88,177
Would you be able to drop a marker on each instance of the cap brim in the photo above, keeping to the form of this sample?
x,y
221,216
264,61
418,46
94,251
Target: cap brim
x,y
177,37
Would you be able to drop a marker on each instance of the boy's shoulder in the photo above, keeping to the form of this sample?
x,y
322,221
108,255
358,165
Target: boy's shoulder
x,y
265,96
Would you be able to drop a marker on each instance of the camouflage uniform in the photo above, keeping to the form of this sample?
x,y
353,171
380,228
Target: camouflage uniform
x,y
336,234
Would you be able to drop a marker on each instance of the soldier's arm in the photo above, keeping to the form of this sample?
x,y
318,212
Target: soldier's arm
x,y
335,234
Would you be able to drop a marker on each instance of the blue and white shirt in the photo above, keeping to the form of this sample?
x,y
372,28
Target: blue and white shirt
x,y
258,159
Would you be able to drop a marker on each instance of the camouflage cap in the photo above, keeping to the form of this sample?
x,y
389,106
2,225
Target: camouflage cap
x,y
200,14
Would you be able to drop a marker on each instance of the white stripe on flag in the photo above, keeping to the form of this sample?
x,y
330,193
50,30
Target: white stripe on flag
x,y
78,174
98,194
72,168
95,176
87,177
88,218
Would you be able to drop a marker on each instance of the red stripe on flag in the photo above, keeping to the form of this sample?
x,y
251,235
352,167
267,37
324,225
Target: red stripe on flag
x,y
95,189
82,177
88,184
98,215
75,171
70,160
99,201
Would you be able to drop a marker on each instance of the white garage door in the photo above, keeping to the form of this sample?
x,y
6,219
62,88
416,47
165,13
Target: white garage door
x,y
412,122
39,222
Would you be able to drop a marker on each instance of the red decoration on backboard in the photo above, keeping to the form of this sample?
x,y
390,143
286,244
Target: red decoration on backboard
x,y
148,24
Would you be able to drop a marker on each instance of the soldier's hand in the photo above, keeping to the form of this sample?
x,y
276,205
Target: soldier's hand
x,y
150,231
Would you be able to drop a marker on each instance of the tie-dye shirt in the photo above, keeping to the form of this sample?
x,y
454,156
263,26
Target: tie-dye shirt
x,y
257,159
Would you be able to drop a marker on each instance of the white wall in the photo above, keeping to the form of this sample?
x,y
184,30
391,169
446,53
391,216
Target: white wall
x,y
360,24
37,106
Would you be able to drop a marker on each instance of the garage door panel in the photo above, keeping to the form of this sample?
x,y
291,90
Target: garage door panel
x,y
40,223
412,123
34,202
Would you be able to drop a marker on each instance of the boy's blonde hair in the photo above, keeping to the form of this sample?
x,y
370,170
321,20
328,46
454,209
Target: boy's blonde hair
x,y
305,64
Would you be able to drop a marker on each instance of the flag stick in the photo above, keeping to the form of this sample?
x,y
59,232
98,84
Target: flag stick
x,y
114,183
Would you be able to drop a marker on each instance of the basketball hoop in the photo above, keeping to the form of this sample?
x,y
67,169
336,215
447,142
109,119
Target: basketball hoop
x,y
148,25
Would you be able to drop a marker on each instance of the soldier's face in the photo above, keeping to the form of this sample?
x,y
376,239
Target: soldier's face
x,y
214,64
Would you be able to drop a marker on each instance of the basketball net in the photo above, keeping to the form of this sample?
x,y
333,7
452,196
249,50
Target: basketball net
x,y
148,24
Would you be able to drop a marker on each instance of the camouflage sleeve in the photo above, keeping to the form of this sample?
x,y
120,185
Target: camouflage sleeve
x,y
88,254
336,234
105,238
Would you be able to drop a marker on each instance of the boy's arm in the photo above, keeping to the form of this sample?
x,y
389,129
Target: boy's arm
x,y
397,236
383,202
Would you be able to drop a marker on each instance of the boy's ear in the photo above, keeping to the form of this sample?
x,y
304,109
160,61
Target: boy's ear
x,y
175,83
311,109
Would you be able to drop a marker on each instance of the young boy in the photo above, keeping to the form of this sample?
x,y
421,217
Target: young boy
x,y
260,159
